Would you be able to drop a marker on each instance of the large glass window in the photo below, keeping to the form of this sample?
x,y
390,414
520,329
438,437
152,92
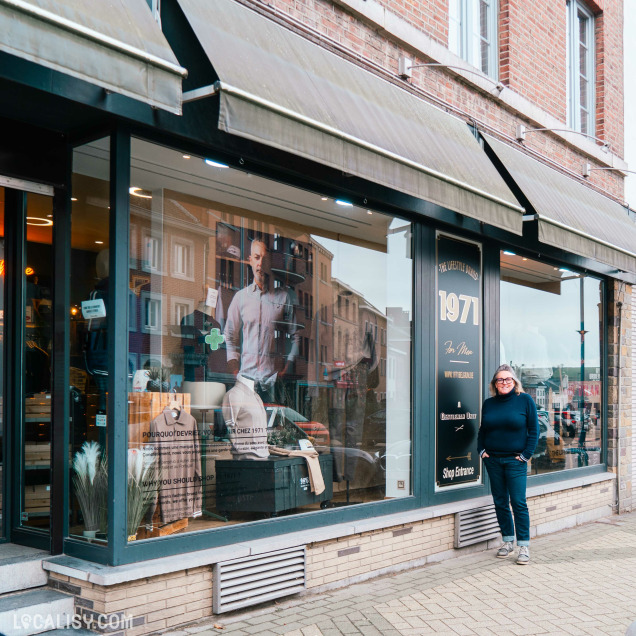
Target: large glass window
x,y
551,334
89,317
580,56
270,348
472,33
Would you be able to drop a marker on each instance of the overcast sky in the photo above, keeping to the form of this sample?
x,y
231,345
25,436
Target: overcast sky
x,y
630,100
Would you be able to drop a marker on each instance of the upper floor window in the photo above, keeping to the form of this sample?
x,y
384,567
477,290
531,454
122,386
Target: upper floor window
x,y
472,33
580,52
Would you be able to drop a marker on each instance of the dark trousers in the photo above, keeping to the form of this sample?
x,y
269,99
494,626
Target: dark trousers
x,y
508,477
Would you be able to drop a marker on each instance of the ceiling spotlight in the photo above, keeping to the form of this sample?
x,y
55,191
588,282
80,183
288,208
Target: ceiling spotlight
x,y
344,203
215,164
509,253
369,212
139,192
186,156
73,198
99,242
324,198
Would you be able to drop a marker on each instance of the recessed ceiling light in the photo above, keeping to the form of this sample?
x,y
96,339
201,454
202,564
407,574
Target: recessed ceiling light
x,y
215,164
99,242
38,221
564,269
186,156
524,259
344,203
369,212
509,253
324,198
139,192
73,198
49,216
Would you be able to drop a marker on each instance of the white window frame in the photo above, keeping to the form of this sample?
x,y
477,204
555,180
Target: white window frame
x,y
154,265
177,261
575,121
179,301
465,37
160,300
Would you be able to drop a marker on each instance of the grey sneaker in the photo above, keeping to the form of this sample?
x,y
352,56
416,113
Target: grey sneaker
x,y
523,558
505,550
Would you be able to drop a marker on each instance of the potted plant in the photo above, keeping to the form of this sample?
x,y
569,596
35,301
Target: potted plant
x,y
90,481
143,485
158,380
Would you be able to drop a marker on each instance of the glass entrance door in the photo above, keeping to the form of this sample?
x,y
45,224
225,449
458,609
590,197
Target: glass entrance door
x,y
37,349
26,330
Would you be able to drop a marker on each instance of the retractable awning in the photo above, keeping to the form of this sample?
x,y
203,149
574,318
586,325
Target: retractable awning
x,y
571,215
115,44
280,89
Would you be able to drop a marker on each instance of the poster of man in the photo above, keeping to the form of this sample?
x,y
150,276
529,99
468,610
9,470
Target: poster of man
x,y
261,330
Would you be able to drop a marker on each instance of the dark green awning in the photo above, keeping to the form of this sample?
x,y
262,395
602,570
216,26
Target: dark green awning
x,y
280,89
570,214
115,44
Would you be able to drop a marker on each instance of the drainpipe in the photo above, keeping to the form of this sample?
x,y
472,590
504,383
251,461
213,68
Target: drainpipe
x,y
619,304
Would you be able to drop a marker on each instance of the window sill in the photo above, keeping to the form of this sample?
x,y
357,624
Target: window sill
x,y
107,575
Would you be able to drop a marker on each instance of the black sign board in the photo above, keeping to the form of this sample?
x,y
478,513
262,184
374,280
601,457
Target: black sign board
x,y
458,399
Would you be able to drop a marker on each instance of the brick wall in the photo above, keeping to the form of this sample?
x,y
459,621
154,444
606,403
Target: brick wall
x,y
360,555
619,423
144,606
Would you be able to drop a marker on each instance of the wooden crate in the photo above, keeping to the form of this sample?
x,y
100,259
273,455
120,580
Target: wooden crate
x,y
37,454
38,406
37,498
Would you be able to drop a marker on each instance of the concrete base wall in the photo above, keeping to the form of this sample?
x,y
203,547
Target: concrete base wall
x,y
159,602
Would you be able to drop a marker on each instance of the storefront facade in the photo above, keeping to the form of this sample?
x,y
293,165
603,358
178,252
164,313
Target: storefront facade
x,y
325,264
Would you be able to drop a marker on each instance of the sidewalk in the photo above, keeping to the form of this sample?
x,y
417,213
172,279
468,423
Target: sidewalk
x,y
580,581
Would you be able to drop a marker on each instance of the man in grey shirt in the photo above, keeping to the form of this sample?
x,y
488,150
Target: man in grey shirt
x,y
258,315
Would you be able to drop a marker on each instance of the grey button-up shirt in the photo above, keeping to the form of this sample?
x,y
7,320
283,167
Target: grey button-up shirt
x,y
253,318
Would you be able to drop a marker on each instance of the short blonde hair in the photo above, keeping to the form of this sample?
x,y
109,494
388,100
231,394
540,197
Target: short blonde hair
x,y
505,367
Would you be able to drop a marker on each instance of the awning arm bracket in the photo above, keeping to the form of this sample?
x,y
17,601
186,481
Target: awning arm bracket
x,y
201,93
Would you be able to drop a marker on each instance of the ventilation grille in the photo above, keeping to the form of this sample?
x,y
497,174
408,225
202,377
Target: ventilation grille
x,y
473,526
258,578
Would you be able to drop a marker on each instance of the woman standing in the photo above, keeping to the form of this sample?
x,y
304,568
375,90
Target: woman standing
x,y
507,438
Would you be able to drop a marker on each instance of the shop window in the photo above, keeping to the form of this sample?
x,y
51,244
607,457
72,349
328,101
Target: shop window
x,y
551,326
246,363
472,33
90,314
581,67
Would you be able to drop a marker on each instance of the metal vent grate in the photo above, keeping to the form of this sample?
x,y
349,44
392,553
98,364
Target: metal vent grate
x,y
256,579
473,526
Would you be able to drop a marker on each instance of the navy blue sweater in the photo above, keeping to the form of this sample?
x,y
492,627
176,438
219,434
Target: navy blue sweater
x,y
509,426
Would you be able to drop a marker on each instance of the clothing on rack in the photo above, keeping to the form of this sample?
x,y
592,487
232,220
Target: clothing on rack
x,y
176,446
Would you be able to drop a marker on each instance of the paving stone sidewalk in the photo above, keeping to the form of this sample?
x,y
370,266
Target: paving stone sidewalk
x,y
580,581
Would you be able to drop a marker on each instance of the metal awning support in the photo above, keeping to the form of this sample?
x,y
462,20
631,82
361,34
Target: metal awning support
x,y
570,215
282,90
116,45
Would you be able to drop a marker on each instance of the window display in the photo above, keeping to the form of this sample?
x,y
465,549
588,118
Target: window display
x,y
551,326
89,366
269,346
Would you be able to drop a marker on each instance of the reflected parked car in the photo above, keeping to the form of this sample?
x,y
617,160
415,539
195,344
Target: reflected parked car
x,y
278,414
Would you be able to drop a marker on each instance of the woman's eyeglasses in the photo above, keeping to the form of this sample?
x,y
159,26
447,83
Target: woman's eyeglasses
x,y
504,381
